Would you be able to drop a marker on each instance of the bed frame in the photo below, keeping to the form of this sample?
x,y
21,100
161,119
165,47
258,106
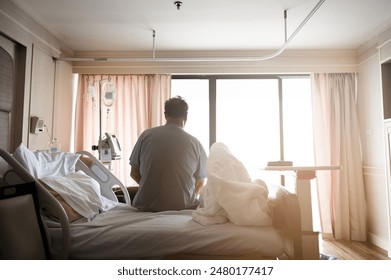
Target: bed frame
x,y
16,175
285,210
90,165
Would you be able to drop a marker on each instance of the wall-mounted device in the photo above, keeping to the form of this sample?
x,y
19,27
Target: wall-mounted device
x,y
37,125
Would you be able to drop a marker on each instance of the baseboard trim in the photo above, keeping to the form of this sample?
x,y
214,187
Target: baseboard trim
x,y
379,242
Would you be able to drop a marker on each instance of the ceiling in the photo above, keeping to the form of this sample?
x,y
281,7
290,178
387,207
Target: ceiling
x,y
208,25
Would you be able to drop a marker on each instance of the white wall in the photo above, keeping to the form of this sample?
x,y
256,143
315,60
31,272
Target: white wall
x,y
370,110
63,102
42,94
39,88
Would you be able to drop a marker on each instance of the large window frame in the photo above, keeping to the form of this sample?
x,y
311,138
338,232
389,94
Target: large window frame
x,y
213,93
280,178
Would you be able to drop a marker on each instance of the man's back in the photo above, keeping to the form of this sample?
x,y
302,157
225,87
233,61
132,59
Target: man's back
x,y
170,160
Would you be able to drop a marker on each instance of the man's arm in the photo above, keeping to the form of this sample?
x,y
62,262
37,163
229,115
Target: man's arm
x,y
135,174
199,184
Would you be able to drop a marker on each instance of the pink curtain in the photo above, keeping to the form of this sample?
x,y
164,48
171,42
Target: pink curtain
x,y
341,194
138,105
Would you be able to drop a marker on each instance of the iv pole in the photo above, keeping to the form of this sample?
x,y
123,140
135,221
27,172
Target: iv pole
x,y
100,141
100,111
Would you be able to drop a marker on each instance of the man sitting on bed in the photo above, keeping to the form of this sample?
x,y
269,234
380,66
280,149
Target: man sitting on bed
x,y
168,163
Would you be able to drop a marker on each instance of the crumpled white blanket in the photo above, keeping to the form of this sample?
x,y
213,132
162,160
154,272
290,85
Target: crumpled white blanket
x,y
81,192
229,194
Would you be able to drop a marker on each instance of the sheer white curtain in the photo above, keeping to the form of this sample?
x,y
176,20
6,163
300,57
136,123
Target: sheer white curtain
x,y
138,105
341,194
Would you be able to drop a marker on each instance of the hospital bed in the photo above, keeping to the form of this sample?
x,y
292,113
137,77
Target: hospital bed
x,y
113,230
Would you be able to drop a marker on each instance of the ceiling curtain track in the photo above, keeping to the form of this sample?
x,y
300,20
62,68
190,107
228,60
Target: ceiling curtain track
x,y
205,59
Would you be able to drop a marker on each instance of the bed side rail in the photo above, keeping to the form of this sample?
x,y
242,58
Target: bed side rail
x,y
15,173
285,211
47,205
90,165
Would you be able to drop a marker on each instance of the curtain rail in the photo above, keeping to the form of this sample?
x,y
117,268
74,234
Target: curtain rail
x,y
203,59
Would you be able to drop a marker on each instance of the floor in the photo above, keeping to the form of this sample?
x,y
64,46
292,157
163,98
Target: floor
x,y
352,250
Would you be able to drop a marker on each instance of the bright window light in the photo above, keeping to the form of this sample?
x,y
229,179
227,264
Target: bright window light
x,y
297,112
247,119
196,94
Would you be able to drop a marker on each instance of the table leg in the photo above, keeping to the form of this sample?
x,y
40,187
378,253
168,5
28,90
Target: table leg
x,y
310,239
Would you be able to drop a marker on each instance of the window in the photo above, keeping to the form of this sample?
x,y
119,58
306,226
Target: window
x,y
260,118
196,94
247,116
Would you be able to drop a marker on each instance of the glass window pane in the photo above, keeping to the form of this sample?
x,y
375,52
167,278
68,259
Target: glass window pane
x,y
297,111
248,120
196,94
298,133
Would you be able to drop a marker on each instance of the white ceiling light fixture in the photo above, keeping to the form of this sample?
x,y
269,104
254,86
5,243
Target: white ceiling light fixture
x,y
178,4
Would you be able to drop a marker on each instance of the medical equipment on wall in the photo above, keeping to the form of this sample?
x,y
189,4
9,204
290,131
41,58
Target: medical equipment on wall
x,y
108,148
37,125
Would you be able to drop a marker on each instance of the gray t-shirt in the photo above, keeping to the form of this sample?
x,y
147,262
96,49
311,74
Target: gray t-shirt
x,y
170,160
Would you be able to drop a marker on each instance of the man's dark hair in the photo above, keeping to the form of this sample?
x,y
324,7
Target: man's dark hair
x,y
175,107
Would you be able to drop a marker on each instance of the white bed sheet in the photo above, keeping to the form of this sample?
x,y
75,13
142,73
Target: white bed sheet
x,y
125,233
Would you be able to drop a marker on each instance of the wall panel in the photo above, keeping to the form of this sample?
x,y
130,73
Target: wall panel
x,y
375,180
42,93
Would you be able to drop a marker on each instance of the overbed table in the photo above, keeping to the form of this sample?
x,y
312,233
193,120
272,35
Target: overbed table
x,y
304,175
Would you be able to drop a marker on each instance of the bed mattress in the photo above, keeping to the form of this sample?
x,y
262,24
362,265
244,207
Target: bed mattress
x,y
125,233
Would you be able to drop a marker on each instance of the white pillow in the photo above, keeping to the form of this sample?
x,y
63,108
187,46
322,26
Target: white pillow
x,y
81,192
42,163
